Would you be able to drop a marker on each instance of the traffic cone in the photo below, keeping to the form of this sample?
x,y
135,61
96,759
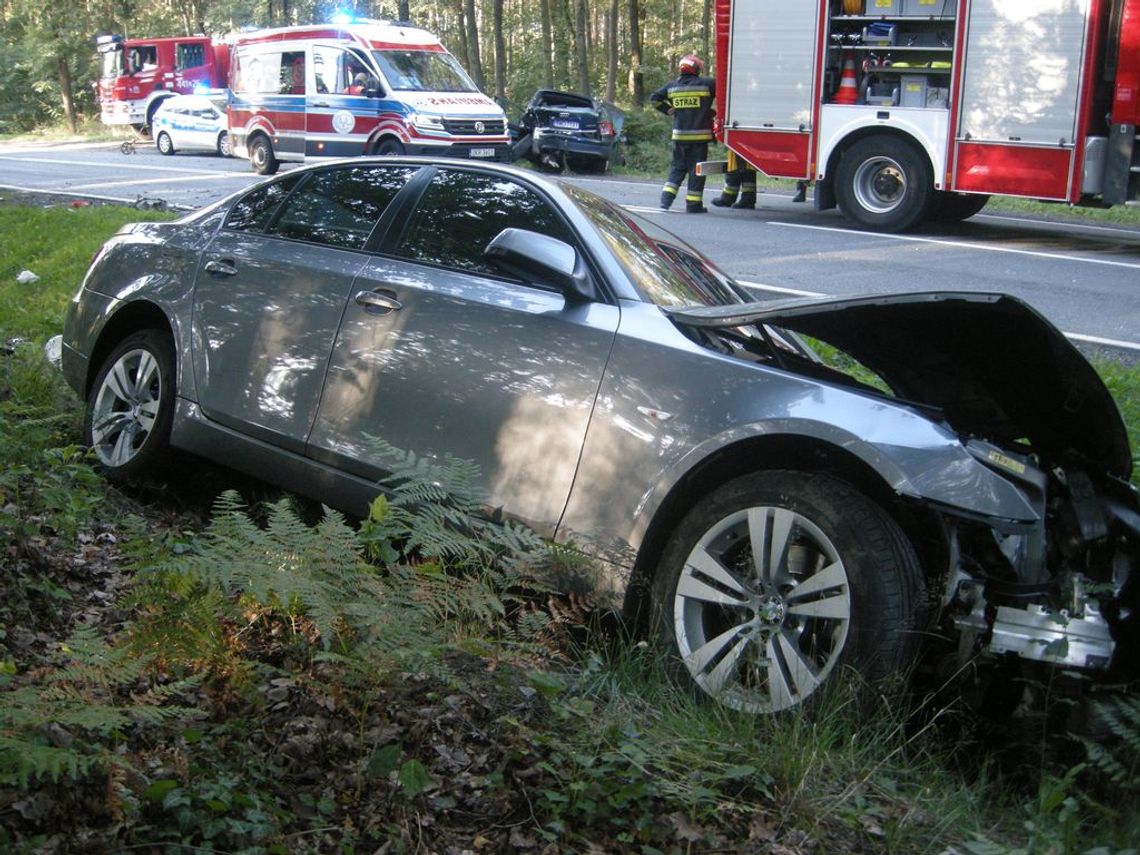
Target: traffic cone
x,y
848,91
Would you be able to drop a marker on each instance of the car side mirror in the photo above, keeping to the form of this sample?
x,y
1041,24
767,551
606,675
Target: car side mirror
x,y
543,260
372,88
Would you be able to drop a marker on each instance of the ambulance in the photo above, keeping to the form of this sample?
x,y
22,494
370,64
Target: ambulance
x,y
362,88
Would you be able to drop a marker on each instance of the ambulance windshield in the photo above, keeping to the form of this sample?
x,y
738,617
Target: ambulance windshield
x,y
423,71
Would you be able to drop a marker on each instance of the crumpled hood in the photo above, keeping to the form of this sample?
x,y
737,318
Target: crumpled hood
x,y
994,366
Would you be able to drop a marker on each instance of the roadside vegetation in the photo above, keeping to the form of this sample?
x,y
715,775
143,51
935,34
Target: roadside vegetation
x,y
202,664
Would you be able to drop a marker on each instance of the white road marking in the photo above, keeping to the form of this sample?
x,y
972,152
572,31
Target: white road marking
x,y
1108,342
1092,227
164,180
794,292
124,164
980,247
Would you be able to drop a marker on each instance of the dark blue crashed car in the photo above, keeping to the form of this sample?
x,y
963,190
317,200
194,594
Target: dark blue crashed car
x,y
564,129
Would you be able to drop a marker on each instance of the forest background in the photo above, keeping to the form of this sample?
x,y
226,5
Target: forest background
x,y
611,49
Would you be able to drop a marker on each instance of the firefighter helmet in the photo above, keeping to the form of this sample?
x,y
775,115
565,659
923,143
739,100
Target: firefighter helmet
x,y
690,64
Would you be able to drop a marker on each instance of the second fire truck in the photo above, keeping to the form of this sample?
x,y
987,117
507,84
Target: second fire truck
x,y
904,110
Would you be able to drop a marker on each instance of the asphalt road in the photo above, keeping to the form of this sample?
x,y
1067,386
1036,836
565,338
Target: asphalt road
x,y
1085,278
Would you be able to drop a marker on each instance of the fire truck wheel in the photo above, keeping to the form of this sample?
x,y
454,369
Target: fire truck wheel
x,y
955,207
261,156
883,183
390,146
164,143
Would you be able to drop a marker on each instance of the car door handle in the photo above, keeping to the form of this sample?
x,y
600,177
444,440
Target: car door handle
x,y
378,302
221,268
320,103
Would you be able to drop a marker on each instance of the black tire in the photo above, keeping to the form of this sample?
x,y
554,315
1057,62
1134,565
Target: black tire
x,y
883,183
261,156
131,406
224,147
586,165
164,143
845,590
390,146
947,207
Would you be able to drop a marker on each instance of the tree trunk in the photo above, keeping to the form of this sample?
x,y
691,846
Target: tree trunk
x,y
403,13
706,34
65,94
612,51
580,34
464,54
636,77
560,17
500,52
475,68
547,46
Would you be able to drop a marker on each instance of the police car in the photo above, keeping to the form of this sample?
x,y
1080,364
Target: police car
x,y
191,122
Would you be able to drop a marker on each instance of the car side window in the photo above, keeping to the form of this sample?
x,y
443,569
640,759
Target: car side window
x,y
340,207
253,211
460,212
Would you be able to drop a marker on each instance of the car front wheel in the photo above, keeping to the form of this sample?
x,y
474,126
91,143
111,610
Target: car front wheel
x,y
164,143
776,582
131,405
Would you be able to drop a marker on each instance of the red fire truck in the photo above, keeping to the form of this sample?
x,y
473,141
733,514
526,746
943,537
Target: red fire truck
x,y
904,110
139,74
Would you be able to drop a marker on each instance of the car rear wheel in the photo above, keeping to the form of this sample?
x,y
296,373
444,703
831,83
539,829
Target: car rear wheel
x,y
261,156
587,165
883,183
224,147
777,581
164,143
131,405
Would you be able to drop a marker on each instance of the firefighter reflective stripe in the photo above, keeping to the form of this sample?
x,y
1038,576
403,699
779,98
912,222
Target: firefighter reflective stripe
x,y
689,99
671,189
692,197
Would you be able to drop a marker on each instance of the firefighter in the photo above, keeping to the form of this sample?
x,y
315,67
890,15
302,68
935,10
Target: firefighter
x,y
689,100
739,184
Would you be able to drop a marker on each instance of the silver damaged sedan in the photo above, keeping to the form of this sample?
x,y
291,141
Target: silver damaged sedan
x,y
776,516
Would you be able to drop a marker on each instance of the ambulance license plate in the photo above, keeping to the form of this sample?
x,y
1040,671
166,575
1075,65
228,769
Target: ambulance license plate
x,y
482,152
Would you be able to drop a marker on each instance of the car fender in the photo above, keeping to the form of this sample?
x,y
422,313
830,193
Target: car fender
x,y
672,412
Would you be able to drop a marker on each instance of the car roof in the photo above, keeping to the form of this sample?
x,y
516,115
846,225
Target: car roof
x,y
187,101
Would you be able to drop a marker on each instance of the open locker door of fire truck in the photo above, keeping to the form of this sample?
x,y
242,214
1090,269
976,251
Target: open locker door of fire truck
x,y
1018,123
771,74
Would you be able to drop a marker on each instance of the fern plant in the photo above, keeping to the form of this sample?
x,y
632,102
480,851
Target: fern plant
x,y
1120,761
67,723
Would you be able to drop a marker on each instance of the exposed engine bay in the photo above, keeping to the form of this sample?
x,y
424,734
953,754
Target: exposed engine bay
x,y
1058,586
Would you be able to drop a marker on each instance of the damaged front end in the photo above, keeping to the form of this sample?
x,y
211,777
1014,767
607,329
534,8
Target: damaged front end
x,y
1024,403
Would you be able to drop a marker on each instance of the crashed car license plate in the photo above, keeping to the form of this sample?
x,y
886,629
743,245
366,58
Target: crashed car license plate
x,y
482,152
569,124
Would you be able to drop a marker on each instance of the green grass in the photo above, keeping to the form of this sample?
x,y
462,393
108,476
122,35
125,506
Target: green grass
x,y
57,244
623,755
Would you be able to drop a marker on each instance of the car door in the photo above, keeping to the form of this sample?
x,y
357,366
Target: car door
x,y
204,125
270,293
440,353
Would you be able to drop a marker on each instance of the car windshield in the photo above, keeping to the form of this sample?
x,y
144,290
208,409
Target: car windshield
x,y
663,269
423,71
